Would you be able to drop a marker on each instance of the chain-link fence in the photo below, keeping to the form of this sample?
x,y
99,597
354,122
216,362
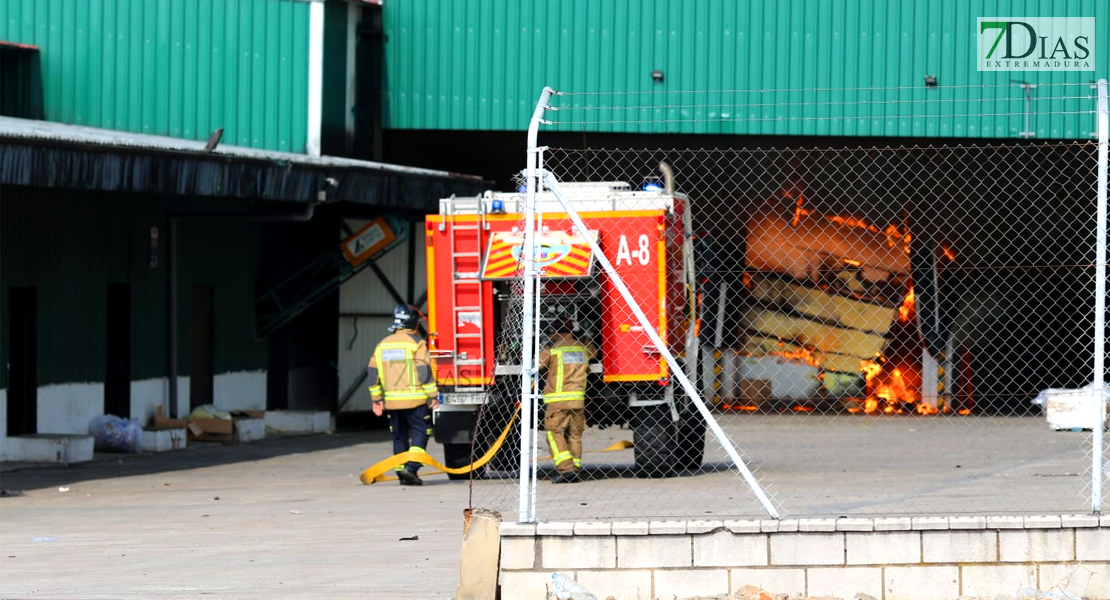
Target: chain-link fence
x,y
907,329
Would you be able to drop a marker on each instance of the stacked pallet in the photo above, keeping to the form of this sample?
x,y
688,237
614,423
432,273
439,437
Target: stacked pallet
x,y
821,295
833,333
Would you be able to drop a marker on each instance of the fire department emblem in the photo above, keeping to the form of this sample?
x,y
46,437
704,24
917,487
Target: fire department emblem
x,y
560,255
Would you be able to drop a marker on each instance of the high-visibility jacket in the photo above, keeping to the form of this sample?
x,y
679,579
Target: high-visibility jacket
x,y
567,363
400,371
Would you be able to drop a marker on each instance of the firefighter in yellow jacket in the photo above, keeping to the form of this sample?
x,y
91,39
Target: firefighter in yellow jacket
x,y
566,361
401,382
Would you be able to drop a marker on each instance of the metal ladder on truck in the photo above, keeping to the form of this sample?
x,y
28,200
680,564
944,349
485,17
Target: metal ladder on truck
x,y
466,293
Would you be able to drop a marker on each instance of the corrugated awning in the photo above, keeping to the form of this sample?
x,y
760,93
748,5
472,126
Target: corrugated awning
x,y
48,154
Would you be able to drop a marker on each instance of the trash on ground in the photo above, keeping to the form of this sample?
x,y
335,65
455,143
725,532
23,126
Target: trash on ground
x,y
409,539
1070,410
63,489
114,434
48,538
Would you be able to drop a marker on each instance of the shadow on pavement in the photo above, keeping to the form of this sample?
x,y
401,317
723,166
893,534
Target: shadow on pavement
x,y
30,476
603,472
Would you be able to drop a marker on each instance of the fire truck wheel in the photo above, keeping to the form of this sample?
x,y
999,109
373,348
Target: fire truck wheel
x,y
654,441
458,455
690,450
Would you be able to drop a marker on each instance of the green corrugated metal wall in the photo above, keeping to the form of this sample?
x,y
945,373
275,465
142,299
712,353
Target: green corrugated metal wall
x,y
481,65
71,247
181,68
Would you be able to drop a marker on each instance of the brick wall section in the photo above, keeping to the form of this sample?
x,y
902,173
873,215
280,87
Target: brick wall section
x,y
888,558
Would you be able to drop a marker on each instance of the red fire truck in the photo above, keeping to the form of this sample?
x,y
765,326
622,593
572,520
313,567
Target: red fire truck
x,y
473,252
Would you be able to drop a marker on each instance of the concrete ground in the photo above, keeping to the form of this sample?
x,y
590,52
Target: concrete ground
x,y
288,518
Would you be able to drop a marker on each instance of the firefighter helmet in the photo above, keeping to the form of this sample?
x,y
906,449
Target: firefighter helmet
x,y
405,316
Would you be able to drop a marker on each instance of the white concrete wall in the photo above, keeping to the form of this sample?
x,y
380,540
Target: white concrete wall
x,y
242,390
146,396
887,558
68,408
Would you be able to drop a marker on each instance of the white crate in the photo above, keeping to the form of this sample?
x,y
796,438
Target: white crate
x,y
1067,409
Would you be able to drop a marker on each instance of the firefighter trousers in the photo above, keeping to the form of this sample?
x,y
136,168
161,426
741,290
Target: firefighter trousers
x,y
410,428
565,427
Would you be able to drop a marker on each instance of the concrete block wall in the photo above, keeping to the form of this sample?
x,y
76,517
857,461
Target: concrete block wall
x,y
888,558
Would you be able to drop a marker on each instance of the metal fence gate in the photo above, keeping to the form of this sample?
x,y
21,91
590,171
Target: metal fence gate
x,y
856,330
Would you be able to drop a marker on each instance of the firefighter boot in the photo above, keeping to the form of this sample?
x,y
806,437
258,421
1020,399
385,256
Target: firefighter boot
x,y
409,478
567,477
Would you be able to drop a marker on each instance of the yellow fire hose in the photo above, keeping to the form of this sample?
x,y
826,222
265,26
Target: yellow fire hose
x,y
381,470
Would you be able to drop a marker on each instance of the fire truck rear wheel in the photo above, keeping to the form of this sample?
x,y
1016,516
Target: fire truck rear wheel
x,y
458,455
654,441
690,449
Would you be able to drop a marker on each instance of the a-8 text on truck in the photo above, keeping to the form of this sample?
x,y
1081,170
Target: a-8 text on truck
x,y
474,270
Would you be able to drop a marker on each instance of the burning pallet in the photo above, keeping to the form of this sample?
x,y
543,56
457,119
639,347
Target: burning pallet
x,y
825,297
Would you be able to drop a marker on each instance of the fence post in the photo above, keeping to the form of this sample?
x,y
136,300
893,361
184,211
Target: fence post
x,y
679,374
525,513
1100,305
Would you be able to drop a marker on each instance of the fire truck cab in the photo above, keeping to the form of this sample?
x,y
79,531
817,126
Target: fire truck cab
x,y
473,253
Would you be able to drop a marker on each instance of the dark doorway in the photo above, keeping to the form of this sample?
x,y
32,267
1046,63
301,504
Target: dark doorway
x,y
200,345
23,353
117,362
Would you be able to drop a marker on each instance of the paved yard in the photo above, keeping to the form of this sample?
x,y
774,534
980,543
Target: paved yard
x,y
288,518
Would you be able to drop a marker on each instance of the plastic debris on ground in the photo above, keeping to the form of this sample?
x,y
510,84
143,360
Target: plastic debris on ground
x,y
113,434
209,411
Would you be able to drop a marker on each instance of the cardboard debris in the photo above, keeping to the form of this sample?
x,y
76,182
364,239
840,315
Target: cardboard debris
x,y
755,392
205,429
160,421
211,430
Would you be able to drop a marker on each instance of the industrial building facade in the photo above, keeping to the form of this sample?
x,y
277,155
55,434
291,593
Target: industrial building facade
x,y
172,204
91,320
664,74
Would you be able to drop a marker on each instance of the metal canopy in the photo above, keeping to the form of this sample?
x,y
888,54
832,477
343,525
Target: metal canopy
x,y
48,154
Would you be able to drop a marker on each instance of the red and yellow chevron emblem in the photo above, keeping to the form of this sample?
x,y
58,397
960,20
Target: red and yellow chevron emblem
x,y
561,255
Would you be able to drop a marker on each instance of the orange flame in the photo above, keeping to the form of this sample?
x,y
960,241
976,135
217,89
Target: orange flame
x,y
895,235
802,354
907,307
747,407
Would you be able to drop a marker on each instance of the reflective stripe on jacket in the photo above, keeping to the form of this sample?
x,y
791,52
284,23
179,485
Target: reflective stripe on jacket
x,y
567,363
400,371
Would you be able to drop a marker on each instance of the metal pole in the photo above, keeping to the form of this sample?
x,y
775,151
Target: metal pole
x,y
1100,305
528,367
688,387
535,355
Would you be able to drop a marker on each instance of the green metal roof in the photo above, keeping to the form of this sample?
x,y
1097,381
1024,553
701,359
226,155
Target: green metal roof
x,y
481,64
180,68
